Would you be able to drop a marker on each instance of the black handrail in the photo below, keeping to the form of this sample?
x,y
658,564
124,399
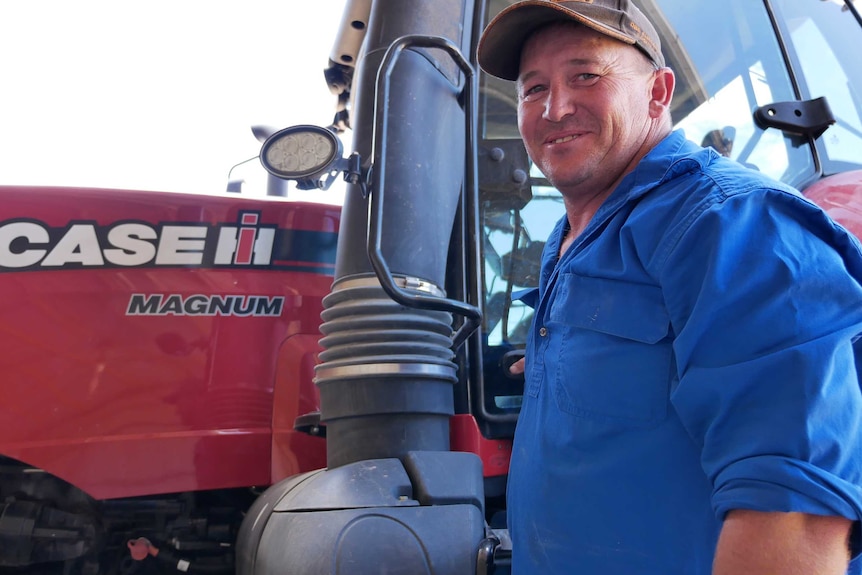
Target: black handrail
x,y
471,313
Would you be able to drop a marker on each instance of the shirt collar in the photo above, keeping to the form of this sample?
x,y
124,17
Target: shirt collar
x,y
662,163
673,155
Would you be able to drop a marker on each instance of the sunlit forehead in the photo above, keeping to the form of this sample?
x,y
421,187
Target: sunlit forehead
x,y
573,47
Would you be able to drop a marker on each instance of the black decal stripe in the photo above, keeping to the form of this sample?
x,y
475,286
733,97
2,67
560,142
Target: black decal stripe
x,y
327,270
304,246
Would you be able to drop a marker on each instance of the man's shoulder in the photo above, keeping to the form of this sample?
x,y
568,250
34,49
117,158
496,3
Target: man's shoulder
x,y
692,184
689,179
685,163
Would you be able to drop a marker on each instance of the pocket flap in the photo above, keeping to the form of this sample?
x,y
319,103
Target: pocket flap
x,y
623,309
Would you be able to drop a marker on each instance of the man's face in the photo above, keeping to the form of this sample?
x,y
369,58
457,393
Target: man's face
x,y
583,107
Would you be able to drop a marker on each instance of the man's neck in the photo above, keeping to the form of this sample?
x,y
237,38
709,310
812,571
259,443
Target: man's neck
x,y
579,215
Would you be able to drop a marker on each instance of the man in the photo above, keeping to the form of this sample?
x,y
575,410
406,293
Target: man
x,y
691,400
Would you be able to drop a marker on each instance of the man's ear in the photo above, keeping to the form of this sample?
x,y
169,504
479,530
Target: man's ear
x,y
661,93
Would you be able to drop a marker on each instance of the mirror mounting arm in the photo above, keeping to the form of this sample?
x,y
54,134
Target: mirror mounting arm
x,y
353,173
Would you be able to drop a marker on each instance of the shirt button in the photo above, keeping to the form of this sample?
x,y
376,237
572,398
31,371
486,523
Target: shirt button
x,y
543,332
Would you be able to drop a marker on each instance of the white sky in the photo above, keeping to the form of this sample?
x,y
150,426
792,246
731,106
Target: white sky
x,y
156,95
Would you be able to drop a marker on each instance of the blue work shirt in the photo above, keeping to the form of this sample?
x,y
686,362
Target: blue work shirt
x,y
690,354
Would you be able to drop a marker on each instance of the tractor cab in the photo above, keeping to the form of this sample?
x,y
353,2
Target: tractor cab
x,y
774,85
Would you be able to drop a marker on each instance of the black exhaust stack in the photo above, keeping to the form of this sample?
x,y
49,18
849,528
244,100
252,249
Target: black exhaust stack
x,y
394,499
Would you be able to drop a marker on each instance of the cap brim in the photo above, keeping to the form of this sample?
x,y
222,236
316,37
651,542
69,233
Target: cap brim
x,y
499,50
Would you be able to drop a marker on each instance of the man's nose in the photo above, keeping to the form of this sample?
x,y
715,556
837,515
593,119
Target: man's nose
x,y
558,105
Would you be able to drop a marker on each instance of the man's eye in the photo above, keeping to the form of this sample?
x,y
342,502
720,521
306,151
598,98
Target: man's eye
x,y
531,91
587,76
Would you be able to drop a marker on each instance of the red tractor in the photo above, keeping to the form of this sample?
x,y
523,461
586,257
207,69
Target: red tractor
x,y
213,384
157,349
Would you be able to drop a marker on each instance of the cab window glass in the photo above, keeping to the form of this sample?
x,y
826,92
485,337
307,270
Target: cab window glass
x,y
824,42
728,62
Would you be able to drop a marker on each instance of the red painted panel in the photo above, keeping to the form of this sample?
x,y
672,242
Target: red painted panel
x,y
122,405
295,395
465,436
841,196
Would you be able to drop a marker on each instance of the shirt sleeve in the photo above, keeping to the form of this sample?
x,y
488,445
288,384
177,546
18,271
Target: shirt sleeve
x,y
765,301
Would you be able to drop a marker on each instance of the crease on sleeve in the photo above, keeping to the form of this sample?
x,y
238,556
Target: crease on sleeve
x,y
777,483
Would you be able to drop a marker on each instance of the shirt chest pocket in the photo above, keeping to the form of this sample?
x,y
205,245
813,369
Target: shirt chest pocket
x,y
615,356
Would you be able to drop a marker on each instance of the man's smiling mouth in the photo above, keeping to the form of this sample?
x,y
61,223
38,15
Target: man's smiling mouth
x,y
563,139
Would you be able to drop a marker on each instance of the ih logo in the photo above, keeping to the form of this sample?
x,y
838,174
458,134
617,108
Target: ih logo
x,y
248,244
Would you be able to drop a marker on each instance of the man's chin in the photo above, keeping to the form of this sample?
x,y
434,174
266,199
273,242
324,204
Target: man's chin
x,y
563,180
